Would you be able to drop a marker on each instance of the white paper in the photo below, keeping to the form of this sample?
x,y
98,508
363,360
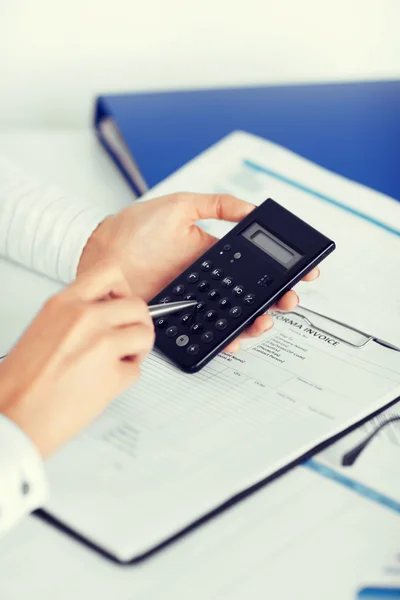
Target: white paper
x,y
176,446
291,538
360,281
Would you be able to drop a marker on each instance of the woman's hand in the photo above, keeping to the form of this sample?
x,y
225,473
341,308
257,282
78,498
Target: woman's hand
x,y
156,240
82,350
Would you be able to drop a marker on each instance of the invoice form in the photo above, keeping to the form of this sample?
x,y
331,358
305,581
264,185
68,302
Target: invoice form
x,y
176,446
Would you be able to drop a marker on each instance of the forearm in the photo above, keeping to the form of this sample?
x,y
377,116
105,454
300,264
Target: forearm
x,y
42,227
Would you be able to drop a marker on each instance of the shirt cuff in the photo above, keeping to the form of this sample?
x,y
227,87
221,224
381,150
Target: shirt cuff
x,y
75,239
23,486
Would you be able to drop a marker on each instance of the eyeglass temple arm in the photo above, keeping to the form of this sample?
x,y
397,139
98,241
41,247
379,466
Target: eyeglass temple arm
x,y
351,456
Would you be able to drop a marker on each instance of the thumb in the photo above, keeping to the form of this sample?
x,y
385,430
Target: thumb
x,y
219,206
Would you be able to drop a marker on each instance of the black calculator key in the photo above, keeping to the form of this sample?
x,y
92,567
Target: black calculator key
x,y
217,274
186,319
206,265
207,337
196,328
193,349
249,299
171,331
224,303
165,300
178,289
211,315
235,312
238,290
221,324
214,295
227,282
192,277
227,247
162,323
189,297
201,306
203,286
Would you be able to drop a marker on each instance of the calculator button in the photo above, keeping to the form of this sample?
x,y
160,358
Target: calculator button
x,y
221,324
217,274
193,349
214,295
201,306
165,300
182,340
249,299
203,286
189,297
238,290
186,319
192,277
227,247
178,290
196,328
211,315
207,337
162,323
235,312
224,303
171,331
206,265
227,282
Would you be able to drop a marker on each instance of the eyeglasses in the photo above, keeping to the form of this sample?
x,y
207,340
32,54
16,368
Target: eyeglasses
x,y
351,456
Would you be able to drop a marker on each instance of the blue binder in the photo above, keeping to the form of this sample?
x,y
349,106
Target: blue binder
x,y
350,128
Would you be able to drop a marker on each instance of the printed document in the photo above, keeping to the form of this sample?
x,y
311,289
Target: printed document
x,y
176,446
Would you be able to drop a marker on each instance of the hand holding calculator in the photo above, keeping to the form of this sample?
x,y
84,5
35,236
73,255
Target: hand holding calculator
x,y
235,281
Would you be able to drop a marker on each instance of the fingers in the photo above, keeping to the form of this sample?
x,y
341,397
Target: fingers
x,y
260,326
132,341
312,275
219,206
104,280
288,302
122,312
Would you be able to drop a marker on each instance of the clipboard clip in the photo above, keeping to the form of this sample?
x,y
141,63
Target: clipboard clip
x,y
368,338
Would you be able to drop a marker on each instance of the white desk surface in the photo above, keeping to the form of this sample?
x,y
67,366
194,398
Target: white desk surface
x,y
300,537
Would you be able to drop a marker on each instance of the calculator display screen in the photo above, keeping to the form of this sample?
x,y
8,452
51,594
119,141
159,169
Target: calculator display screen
x,y
271,245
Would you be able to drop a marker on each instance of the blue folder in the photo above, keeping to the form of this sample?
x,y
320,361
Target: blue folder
x,y
350,128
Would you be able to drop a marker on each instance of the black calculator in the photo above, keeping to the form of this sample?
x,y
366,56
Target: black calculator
x,y
235,281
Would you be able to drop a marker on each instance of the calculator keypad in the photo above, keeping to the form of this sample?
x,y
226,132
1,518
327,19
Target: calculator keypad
x,y
178,290
224,303
217,274
235,312
206,265
201,307
214,295
172,331
192,277
227,282
221,303
203,286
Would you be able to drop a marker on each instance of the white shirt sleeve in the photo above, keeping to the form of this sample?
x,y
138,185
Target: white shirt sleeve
x,y
23,486
42,227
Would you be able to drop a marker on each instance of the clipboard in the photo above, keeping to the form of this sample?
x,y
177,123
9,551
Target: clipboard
x,y
368,338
